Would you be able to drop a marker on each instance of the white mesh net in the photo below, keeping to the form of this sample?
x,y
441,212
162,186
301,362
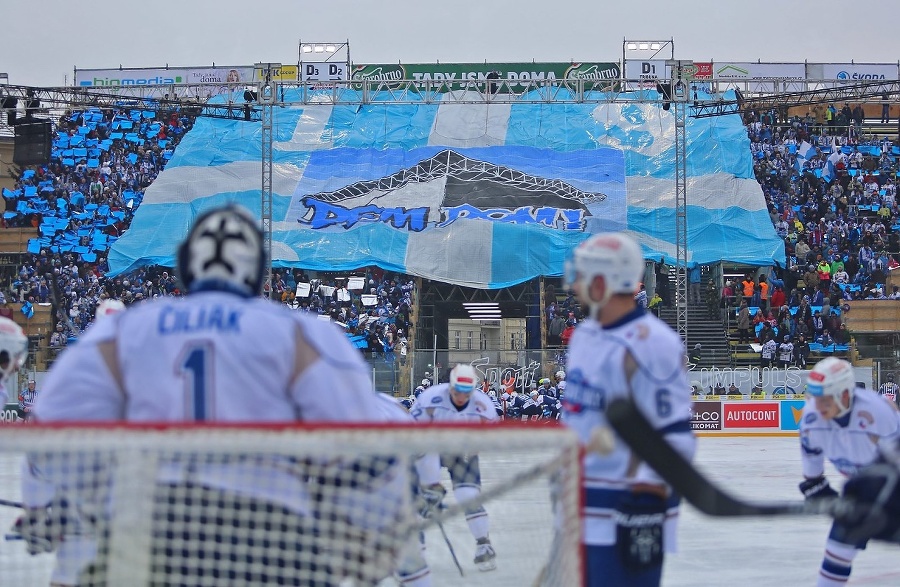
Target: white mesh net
x,y
306,506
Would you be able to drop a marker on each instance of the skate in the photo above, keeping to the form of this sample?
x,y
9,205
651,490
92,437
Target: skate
x,y
485,557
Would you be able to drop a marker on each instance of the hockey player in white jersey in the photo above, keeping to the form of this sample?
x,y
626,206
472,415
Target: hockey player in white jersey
x,y
412,570
461,401
620,350
844,424
220,354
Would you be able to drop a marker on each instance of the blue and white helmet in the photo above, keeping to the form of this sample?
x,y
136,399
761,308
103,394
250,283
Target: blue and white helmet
x,y
223,251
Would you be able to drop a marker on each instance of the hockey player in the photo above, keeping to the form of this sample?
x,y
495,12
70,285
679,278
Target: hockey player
x,y
547,387
221,354
461,401
426,383
515,404
412,569
767,353
846,425
890,390
619,350
533,409
786,353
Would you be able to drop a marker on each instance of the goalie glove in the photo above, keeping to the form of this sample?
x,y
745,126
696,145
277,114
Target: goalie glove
x,y
430,498
817,488
42,528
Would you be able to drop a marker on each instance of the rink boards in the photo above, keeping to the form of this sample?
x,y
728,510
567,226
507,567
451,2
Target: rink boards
x,y
712,416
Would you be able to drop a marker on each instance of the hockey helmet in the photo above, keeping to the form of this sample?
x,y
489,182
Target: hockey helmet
x,y
108,307
831,377
463,378
223,251
615,256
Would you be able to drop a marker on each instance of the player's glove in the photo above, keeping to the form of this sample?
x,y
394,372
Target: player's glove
x,y
817,488
430,498
870,505
639,530
42,528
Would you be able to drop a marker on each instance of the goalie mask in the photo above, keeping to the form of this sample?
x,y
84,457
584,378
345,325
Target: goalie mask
x,y
223,251
13,348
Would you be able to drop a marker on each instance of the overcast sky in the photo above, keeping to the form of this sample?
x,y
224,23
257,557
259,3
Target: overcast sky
x,y
41,41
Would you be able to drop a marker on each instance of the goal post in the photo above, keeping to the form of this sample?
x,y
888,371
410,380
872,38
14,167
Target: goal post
x,y
197,504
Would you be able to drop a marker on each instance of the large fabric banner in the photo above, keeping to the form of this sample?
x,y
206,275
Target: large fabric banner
x,y
482,195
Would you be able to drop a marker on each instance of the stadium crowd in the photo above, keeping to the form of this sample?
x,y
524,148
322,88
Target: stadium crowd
x,y
831,196
85,198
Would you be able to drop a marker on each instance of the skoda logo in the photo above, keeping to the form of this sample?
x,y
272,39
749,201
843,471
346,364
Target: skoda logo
x,y
843,75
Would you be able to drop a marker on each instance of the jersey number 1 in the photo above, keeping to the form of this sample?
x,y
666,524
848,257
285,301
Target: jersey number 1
x,y
195,364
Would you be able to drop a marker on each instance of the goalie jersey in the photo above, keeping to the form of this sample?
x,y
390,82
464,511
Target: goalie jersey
x,y
213,356
595,375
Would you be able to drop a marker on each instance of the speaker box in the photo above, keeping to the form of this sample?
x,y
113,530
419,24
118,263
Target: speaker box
x,y
32,143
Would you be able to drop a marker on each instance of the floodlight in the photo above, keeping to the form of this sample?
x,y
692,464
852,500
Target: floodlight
x,y
307,48
330,48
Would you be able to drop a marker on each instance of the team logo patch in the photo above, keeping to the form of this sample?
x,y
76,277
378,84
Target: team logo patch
x,y
810,418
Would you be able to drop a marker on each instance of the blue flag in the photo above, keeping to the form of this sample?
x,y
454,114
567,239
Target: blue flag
x,y
28,309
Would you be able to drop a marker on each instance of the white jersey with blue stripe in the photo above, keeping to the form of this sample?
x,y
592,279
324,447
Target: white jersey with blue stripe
x,y
851,441
595,375
434,405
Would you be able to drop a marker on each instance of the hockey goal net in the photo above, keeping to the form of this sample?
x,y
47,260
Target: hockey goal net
x,y
286,505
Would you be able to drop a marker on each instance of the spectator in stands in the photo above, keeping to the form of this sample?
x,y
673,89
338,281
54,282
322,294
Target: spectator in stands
x,y
747,287
696,354
778,299
743,323
763,288
695,285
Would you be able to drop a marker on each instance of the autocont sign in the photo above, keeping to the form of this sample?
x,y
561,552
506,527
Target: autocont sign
x,y
755,415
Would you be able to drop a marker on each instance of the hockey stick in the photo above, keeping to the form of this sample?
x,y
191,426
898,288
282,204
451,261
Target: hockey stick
x,y
450,548
514,482
648,444
12,504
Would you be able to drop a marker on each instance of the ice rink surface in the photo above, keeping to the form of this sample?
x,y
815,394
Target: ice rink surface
x,y
713,552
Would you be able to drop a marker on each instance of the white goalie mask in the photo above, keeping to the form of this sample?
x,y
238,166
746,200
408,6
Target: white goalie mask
x,y
615,256
223,251
13,348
